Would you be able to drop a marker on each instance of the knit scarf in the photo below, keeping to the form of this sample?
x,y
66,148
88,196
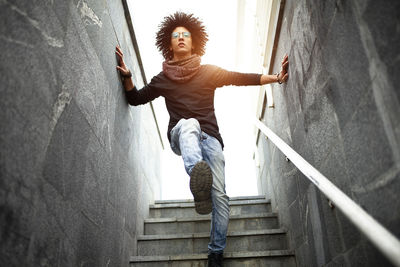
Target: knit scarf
x,y
183,70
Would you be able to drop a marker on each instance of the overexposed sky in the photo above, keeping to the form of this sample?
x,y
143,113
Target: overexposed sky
x,y
233,105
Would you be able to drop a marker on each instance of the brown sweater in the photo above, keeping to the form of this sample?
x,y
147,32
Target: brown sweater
x,y
193,99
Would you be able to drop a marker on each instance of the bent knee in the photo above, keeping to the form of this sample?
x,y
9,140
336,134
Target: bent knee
x,y
191,123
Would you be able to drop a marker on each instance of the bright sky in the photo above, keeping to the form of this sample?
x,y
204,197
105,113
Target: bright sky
x,y
234,105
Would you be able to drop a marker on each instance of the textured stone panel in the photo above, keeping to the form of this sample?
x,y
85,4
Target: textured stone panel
x,y
341,111
70,147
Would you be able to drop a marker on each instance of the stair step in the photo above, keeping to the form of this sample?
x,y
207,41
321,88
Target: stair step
x,y
158,226
270,239
274,258
186,209
173,201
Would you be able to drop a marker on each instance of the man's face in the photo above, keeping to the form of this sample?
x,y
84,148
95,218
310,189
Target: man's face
x,y
181,43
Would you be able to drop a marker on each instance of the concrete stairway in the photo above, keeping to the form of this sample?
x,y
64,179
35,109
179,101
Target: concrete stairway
x,y
175,235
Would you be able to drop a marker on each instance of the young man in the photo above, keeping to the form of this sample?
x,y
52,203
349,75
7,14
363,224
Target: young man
x,y
188,88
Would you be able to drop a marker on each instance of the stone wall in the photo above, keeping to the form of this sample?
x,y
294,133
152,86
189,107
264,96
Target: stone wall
x,y
78,165
340,111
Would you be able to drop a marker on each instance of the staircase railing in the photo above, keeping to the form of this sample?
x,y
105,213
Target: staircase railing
x,y
385,241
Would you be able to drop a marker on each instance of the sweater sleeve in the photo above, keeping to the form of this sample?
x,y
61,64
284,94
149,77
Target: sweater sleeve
x,y
139,97
222,77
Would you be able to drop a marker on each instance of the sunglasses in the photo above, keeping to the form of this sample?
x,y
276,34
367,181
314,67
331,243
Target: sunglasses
x,y
178,34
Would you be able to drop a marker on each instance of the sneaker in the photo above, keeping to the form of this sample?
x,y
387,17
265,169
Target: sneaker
x,y
200,184
215,260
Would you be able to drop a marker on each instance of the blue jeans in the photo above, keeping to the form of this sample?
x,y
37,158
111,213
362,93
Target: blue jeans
x,y
194,145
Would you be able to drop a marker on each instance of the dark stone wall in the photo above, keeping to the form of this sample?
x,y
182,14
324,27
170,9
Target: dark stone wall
x,y
339,110
78,165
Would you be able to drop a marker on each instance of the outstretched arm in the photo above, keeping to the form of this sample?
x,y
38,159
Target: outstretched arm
x,y
280,77
135,97
123,70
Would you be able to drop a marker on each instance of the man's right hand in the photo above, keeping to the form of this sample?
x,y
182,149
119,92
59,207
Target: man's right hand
x,y
123,69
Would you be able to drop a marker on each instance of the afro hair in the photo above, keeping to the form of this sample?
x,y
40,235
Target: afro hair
x,y
180,19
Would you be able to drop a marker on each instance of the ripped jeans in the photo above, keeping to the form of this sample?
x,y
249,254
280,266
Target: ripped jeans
x,y
194,145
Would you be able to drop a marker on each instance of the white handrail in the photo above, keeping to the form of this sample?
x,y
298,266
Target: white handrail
x,y
385,241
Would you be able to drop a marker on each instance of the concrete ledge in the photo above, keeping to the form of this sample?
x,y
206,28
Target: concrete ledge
x,y
171,201
191,204
239,222
203,256
181,210
208,218
207,235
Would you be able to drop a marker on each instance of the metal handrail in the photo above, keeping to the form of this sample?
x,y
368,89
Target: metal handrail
x,y
385,241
